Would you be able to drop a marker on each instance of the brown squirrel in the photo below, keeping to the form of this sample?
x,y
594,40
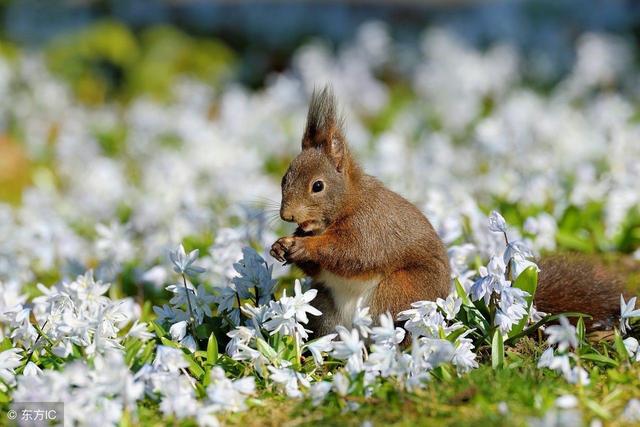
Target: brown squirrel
x,y
358,239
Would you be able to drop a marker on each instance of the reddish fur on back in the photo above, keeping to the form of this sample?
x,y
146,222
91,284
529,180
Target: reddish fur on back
x,y
579,283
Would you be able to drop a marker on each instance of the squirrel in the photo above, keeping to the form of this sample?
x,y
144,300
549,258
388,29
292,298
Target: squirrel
x,y
357,240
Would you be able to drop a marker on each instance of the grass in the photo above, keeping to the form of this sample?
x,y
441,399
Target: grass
x,y
474,399
512,396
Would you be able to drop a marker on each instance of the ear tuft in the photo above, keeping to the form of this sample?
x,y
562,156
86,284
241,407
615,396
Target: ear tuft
x,y
324,126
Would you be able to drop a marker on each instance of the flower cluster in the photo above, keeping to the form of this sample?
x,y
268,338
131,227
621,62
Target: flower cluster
x,y
93,313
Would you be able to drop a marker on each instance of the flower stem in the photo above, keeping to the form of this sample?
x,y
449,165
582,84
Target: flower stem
x,y
40,334
192,319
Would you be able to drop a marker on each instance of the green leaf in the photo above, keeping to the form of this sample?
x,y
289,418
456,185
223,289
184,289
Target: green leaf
x,y
482,308
528,282
131,351
581,331
598,409
169,343
266,350
194,367
623,354
160,332
462,294
599,358
497,350
212,349
547,319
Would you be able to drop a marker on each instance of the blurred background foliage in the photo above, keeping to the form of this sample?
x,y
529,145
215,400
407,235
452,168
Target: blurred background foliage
x,y
118,50
107,60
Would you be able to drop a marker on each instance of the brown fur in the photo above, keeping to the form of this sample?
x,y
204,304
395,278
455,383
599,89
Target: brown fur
x,y
578,283
356,227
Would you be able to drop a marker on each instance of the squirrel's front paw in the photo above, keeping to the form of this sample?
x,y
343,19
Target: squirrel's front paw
x,y
279,248
290,249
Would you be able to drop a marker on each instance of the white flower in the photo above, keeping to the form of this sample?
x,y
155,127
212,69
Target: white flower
x,y
318,392
560,363
183,263
566,401
563,334
341,384
382,360
512,308
631,344
178,330
362,319
450,306
32,370
227,395
577,375
113,242
349,348
497,223
178,333
139,330
464,358
300,303
387,334
282,319
199,300
627,311
169,359
631,412
290,380
9,360
423,320
179,399
546,358
205,417
319,345
492,280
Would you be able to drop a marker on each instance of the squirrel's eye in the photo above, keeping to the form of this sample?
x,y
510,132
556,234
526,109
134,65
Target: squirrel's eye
x,y
318,186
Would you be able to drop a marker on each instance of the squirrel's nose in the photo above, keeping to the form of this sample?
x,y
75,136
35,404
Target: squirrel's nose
x,y
286,214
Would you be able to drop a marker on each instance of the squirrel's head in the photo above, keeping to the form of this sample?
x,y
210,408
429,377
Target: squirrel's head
x,y
317,182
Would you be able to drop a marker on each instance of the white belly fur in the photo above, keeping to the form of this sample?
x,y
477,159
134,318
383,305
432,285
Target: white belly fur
x,y
346,291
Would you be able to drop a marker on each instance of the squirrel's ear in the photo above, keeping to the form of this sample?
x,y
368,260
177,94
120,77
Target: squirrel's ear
x,y
324,127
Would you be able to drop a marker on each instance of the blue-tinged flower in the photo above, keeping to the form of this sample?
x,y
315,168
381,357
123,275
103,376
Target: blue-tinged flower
x,y
563,334
546,358
318,392
577,375
254,276
183,263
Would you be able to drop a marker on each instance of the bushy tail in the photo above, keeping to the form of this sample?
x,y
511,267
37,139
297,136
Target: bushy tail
x,y
579,283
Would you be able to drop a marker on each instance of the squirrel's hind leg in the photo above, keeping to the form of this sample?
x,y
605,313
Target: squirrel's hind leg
x,y
397,291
